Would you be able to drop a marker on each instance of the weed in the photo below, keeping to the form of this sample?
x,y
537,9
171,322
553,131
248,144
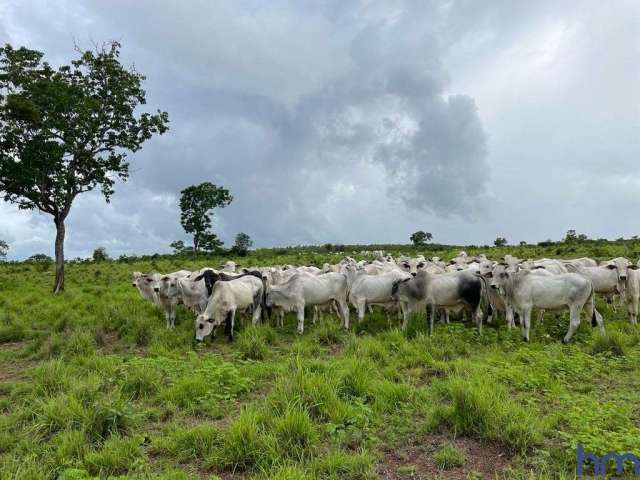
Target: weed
x,y
449,456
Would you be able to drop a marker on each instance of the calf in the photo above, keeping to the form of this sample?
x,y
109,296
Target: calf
x,y
169,297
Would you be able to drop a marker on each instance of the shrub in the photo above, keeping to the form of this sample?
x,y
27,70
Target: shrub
x,y
295,433
246,445
328,333
70,448
482,408
186,444
612,342
252,342
449,457
12,333
338,465
117,456
141,382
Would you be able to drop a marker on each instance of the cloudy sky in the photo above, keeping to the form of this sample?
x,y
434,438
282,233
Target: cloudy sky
x,y
361,121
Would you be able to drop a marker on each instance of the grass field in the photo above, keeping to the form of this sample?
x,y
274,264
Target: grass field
x,y
93,385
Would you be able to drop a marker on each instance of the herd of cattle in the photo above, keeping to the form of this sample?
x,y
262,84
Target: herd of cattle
x,y
467,287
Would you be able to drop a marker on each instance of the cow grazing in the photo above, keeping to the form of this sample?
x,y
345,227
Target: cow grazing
x,y
210,277
228,298
456,289
524,291
307,290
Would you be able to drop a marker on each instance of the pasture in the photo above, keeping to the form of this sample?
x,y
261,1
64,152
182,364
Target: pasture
x,y
92,384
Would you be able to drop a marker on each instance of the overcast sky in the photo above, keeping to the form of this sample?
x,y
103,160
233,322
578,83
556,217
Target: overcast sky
x,y
360,121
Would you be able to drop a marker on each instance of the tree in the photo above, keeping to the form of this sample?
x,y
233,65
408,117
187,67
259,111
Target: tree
x,y
420,237
571,236
178,247
100,254
68,130
500,242
522,243
40,258
209,242
4,248
243,244
196,203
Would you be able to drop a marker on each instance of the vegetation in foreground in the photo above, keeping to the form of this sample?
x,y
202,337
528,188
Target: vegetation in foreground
x,y
93,385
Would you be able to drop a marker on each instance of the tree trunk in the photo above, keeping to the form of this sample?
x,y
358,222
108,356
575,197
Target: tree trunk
x,y
195,246
59,285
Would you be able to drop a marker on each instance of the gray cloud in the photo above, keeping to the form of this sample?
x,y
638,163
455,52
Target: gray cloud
x,y
360,121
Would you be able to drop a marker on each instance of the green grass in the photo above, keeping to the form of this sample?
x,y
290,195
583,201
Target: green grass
x,y
92,385
449,456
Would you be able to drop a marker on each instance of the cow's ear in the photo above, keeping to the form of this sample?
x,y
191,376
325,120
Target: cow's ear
x,y
633,267
165,278
611,267
199,277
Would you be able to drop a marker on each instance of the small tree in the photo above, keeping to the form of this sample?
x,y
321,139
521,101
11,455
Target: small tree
x,y
40,258
500,242
522,243
178,247
243,244
68,130
420,237
571,236
196,203
4,248
100,254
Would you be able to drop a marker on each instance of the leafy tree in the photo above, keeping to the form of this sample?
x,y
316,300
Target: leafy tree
x,y
100,254
522,243
420,237
68,130
196,203
40,258
178,247
4,247
571,236
500,242
243,244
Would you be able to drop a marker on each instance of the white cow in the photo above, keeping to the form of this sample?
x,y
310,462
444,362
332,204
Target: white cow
x,y
632,292
302,290
226,300
144,282
194,292
169,297
524,291
366,290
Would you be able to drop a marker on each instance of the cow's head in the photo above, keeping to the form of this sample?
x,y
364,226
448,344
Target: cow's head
x,y
210,278
412,265
204,327
621,267
137,276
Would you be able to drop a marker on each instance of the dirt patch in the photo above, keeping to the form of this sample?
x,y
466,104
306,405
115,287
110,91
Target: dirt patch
x,y
414,460
10,372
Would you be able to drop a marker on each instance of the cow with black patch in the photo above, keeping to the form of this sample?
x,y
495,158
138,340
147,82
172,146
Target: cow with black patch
x,y
446,290
210,277
226,300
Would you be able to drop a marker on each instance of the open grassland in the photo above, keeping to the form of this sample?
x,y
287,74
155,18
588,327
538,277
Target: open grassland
x,y
93,385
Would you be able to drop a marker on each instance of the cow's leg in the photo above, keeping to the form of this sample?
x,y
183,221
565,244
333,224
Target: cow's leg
x,y
404,308
314,318
477,314
173,315
632,308
344,312
525,323
508,314
300,315
490,310
574,322
361,306
541,315
430,311
231,320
